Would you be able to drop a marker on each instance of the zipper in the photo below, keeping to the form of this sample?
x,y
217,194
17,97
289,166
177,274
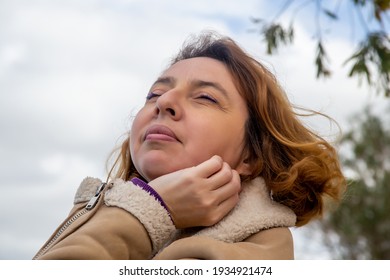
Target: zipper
x,y
92,202
90,205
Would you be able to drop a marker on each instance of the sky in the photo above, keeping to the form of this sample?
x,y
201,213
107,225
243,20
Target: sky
x,y
74,73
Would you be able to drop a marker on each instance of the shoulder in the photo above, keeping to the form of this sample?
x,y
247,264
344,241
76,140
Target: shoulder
x,y
269,244
276,243
272,235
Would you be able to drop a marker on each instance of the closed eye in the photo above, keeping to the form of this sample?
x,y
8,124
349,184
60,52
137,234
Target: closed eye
x,y
152,95
209,98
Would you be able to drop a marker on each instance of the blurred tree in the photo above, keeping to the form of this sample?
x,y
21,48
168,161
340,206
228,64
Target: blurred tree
x,y
360,227
370,60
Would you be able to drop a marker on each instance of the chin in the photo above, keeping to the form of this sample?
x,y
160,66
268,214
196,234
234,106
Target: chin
x,y
156,165
150,175
153,170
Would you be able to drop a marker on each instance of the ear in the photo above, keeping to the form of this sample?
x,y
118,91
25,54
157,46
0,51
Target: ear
x,y
245,167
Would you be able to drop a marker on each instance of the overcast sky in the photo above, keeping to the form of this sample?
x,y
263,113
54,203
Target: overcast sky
x,y
73,73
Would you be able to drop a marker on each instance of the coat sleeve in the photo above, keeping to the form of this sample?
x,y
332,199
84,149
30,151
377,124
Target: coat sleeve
x,y
269,244
120,226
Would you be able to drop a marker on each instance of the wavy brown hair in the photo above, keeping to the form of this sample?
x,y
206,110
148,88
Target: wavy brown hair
x,y
300,168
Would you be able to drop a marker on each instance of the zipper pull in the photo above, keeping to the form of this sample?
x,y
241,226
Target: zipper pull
x,y
92,202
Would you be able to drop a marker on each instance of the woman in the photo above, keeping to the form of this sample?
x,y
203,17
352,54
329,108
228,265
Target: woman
x,y
217,166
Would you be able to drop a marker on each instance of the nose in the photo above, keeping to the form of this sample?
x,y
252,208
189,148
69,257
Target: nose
x,y
169,104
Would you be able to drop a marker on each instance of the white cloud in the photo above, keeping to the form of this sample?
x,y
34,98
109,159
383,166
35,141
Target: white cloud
x,y
72,73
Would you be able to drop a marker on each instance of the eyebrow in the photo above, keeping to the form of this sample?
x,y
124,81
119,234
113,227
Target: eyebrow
x,y
171,81
217,86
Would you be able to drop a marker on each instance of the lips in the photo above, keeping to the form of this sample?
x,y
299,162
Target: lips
x,y
160,133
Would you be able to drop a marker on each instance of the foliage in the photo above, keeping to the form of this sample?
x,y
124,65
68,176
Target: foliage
x,y
362,221
371,59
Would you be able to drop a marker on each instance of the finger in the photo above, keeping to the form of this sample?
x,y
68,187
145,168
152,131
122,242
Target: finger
x,y
220,178
231,188
229,195
209,167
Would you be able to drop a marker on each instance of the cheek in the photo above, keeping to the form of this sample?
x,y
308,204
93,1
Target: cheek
x,y
224,140
136,131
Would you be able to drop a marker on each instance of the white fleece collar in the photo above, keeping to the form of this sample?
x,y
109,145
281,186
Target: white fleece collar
x,y
254,212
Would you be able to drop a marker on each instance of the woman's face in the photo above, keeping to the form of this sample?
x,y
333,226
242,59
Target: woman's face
x,y
192,112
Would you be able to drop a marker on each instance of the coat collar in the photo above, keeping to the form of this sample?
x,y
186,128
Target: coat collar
x,y
254,212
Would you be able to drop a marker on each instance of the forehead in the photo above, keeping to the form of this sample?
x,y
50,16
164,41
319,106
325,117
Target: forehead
x,y
203,68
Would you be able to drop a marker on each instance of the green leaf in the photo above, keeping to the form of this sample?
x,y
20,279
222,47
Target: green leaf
x,y
330,14
320,61
373,59
360,68
275,35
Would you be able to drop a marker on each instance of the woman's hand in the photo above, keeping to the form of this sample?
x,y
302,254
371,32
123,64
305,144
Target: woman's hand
x,y
200,195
